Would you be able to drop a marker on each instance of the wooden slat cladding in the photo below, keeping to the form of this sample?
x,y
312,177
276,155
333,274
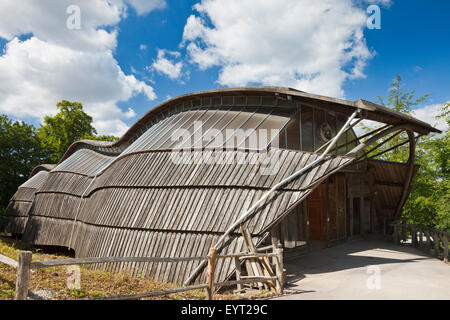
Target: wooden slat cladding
x,y
145,203
388,182
66,182
85,162
208,168
36,181
15,217
13,224
92,241
24,194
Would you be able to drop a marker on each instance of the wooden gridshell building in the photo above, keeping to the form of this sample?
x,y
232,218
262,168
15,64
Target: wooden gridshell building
x,y
179,180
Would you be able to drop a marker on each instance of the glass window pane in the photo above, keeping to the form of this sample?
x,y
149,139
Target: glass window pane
x,y
293,133
307,134
321,132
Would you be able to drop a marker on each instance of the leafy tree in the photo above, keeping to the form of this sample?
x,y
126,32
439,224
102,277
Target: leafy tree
x,y
20,152
70,124
102,138
23,147
428,202
400,101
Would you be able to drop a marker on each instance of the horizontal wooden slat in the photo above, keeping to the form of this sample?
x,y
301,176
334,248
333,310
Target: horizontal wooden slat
x,y
8,261
81,261
152,293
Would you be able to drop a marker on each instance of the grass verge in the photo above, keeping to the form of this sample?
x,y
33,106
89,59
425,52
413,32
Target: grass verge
x,y
52,282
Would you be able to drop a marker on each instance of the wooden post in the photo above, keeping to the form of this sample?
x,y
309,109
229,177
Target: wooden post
x,y
420,237
327,209
414,236
350,210
436,242
396,234
362,215
410,174
237,264
210,274
404,230
279,270
305,208
445,243
428,244
275,241
23,275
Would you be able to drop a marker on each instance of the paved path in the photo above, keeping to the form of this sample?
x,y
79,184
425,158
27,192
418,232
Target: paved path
x,y
349,271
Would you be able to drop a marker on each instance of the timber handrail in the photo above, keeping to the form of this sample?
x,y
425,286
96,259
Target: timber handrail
x,y
25,264
8,261
435,238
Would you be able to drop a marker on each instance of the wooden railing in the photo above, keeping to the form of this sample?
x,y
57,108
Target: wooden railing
x,y
276,281
428,239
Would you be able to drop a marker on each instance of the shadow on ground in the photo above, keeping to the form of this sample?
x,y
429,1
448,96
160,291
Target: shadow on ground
x,y
350,255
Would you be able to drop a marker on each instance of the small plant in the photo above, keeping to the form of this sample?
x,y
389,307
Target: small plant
x,y
78,293
7,294
97,293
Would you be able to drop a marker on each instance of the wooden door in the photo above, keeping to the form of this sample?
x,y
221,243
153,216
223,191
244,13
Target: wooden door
x,y
317,213
341,206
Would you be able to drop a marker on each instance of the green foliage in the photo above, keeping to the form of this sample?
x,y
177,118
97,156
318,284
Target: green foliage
x,y
23,147
102,138
20,152
70,124
428,202
400,101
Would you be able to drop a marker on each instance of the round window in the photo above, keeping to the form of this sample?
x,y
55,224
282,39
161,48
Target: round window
x,y
325,132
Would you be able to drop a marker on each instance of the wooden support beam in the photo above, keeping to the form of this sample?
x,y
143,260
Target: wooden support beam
x,y
279,270
306,215
414,236
421,237
445,243
396,241
362,214
436,242
210,274
350,212
253,264
275,238
327,209
404,231
428,243
410,174
237,264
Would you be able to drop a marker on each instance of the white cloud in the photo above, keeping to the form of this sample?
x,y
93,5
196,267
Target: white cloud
x,y
165,66
429,113
143,7
311,45
56,63
142,47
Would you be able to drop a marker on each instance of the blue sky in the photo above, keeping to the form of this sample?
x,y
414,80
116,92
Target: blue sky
x,y
131,55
